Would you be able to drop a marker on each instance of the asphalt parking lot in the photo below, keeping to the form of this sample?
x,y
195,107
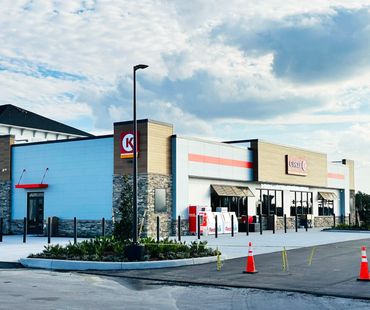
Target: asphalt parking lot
x,y
333,271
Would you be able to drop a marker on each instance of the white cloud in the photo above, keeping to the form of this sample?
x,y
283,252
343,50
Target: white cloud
x,y
214,84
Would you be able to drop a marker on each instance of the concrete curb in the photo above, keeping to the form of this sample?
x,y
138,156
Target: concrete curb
x,y
58,264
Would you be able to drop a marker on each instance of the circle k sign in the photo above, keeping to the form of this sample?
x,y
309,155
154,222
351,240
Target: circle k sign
x,y
127,144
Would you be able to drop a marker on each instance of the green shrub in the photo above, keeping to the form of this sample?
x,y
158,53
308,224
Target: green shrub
x,y
112,249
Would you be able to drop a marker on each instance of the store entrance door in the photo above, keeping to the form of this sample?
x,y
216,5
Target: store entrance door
x,y
35,213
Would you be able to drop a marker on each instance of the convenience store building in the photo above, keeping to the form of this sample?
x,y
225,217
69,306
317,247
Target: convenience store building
x,y
84,177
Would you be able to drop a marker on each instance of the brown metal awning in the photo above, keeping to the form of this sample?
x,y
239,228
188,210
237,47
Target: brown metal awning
x,y
328,195
232,191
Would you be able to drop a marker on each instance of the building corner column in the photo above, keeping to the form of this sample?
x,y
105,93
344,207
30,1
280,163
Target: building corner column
x,y
6,142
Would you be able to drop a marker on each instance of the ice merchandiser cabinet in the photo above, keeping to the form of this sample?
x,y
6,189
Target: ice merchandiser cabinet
x,y
207,221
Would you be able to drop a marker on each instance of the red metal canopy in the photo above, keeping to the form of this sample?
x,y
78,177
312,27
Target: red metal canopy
x,y
30,186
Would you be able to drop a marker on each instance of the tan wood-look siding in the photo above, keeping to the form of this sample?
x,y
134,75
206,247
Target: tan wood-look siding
x,y
159,148
272,165
123,166
5,157
351,167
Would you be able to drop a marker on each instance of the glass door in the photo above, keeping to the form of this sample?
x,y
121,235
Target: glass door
x,y
35,213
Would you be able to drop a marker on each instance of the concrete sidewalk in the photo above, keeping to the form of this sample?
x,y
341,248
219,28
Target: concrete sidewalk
x,y
12,248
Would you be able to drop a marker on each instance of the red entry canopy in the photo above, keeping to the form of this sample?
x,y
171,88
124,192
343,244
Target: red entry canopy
x,y
30,186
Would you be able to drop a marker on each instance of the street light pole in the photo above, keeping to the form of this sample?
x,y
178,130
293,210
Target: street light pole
x,y
135,235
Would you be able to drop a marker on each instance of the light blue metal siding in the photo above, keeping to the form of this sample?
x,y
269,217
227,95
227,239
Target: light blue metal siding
x,y
79,177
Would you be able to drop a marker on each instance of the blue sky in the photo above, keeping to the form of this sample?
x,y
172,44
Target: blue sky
x,y
276,70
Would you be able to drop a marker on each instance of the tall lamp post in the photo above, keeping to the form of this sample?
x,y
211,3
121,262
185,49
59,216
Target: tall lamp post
x,y
135,236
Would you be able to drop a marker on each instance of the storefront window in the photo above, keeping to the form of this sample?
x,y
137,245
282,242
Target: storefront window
x,y
232,204
301,203
271,202
326,207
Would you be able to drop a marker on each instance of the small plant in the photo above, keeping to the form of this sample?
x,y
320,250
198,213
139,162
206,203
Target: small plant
x,y
123,228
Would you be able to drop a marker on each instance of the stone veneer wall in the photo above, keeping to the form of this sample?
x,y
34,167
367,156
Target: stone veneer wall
x,y
318,221
184,227
5,205
147,216
85,228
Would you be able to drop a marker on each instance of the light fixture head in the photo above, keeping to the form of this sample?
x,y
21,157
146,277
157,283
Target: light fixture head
x,y
141,66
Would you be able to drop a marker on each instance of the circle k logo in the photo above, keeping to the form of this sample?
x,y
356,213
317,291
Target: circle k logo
x,y
128,143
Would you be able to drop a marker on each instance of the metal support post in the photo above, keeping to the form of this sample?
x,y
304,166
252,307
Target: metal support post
x,y
179,228
198,226
157,229
49,230
74,230
1,229
296,223
232,225
103,226
216,226
260,219
24,230
284,223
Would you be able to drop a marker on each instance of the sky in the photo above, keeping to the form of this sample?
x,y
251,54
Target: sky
x,y
289,72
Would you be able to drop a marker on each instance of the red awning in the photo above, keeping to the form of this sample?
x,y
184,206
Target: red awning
x,y
31,186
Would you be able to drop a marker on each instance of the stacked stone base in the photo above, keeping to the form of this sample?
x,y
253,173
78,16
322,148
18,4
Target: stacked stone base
x,y
65,228
184,227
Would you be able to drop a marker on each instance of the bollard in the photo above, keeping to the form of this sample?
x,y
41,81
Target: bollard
x,y
232,225
24,230
334,219
179,227
74,230
284,223
49,230
349,219
306,226
198,228
1,229
296,223
103,226
157,229
273,223
260,219
216,227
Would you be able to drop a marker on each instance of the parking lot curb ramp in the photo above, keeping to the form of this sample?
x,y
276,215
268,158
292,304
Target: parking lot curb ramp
x,y
10,265
58,264
364,267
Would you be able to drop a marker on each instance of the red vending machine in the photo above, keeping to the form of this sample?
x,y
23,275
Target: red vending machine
x,y
202,211
192,219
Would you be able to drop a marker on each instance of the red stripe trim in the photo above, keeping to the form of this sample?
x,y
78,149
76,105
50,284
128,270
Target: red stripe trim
x,y
219,161
335,176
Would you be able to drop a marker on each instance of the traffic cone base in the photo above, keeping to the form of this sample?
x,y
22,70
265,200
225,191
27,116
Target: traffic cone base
x,y
250,271
364,267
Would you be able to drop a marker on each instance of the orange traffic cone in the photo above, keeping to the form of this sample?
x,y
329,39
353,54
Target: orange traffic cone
x,y
250,267
364,268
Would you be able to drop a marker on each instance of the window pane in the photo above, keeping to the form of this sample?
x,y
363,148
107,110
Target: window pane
x,y
279,203
160,200
299,202
292,204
